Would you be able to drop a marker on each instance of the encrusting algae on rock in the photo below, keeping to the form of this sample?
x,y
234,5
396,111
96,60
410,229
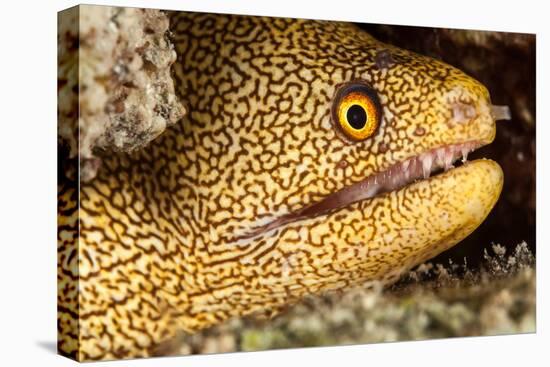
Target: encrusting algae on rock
x,y
432,301
115,88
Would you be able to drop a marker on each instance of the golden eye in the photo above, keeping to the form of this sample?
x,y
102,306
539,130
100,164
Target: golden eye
x,y
356,111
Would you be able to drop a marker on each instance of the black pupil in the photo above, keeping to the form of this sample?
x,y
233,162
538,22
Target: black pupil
x,y
357,117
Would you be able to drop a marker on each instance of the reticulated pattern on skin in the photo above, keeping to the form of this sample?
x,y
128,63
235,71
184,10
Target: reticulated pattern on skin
x,y
159,248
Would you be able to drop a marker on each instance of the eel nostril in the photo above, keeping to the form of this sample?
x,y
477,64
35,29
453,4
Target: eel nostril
x,y
463,113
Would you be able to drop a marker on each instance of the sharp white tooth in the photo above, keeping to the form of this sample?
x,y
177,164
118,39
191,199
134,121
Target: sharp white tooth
x,y
371,191
406,175
399,177
393,179
448,158
405,165
413,166
426,165
440,156
465,151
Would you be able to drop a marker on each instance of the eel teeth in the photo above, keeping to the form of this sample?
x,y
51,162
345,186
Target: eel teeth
x,y
440,157
405,166
449,155
426,165
465,151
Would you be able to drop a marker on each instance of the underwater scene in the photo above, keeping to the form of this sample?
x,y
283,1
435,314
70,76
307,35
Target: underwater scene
x,y
239,183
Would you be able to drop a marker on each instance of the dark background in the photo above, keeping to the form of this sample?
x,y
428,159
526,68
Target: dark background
x,y
505,64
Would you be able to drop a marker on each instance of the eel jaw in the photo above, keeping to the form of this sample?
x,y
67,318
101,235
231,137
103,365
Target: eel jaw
x,y
396,177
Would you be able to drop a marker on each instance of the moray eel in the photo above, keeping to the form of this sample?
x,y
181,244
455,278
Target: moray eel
x,y
314,158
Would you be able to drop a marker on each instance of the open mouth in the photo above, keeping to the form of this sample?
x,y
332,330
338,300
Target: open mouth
x,y
400,175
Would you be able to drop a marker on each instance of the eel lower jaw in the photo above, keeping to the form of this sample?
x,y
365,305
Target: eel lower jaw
x,y
398,176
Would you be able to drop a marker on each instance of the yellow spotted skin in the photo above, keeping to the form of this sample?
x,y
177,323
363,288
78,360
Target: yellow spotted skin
x,y
156,244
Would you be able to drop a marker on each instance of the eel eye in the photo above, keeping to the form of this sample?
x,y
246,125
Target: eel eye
x,y
356,110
